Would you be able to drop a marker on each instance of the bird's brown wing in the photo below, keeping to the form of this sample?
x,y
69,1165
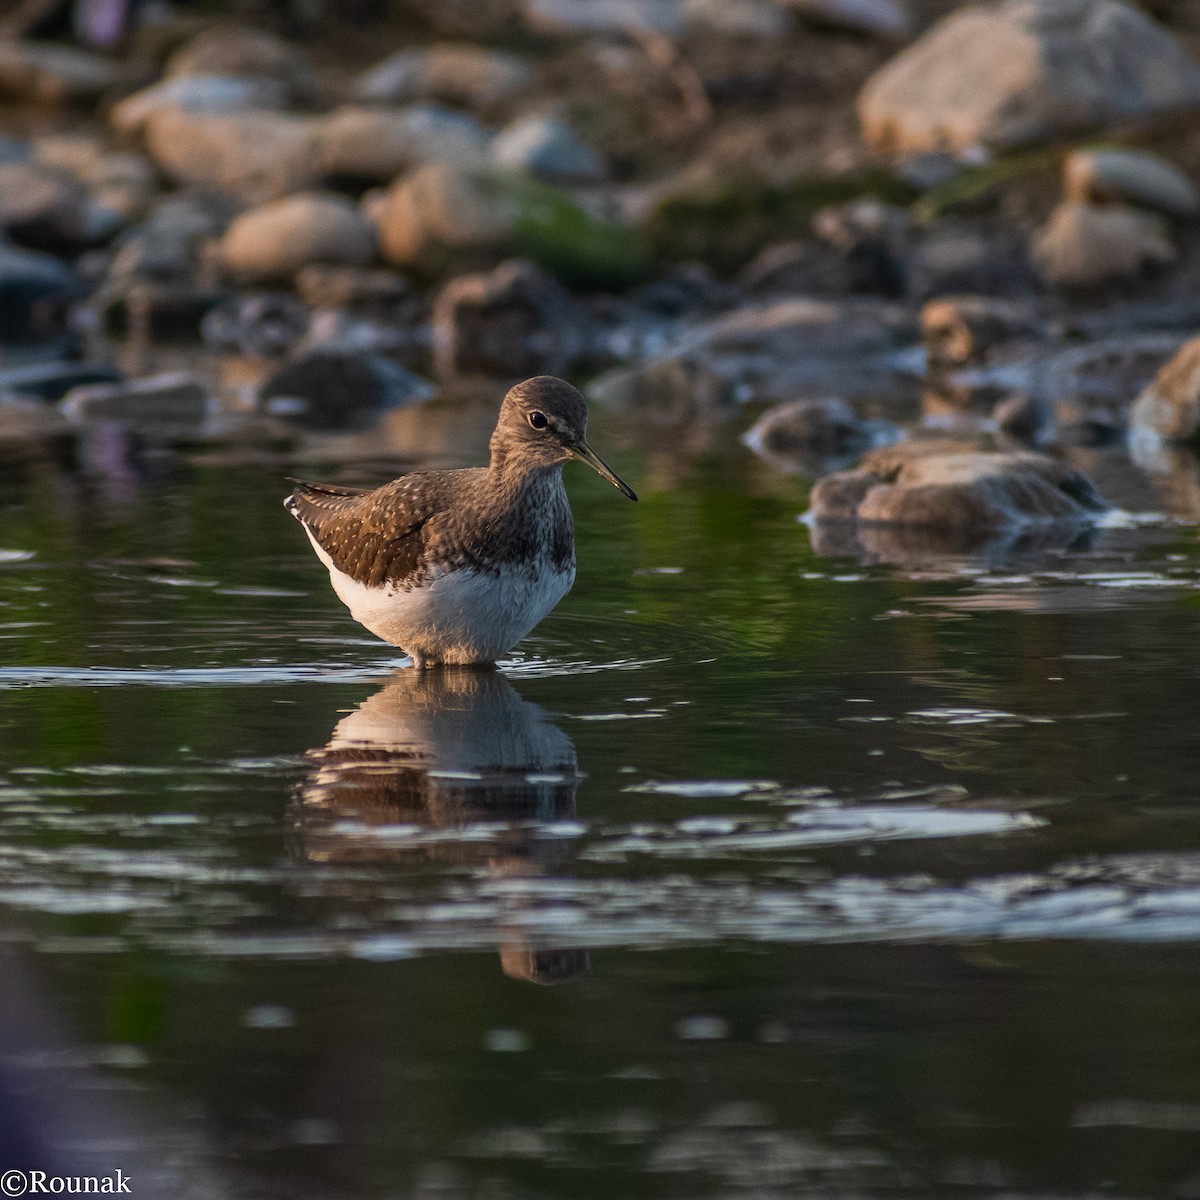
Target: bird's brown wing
x,y
375,536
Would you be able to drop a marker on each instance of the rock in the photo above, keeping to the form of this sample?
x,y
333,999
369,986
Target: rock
x,y
276,240
966,495
1082,246
195,94
549,149
799,268
1028,419
378,144
879,18
123,184
957,259
439,206
568,17
52,380
736,18
250,53
873,237
669,393
958,330
809,434
36,291
513,322
455,73
53,74
1142,179
255,156
266,326
1025,71
167,244
42,207
331,390
161,403
1170,405
351,287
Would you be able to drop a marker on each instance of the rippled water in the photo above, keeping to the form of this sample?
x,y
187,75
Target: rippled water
x,y
851,876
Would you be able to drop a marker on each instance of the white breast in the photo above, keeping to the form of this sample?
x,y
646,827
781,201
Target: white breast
x,y
463,616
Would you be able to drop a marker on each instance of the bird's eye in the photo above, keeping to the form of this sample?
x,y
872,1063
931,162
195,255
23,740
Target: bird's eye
x,y
538,419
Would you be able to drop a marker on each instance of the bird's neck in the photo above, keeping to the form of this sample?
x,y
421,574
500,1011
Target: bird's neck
x,y
510,472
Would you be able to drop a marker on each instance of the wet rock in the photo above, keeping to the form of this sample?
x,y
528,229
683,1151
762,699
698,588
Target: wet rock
x,y
666,392
1142,179
567,17
256,156
332,390
352,287
48,74
1170,405
163,404
958,330
512,322
263,325
1082,246
549,149
249,53
275,240
879,18
965,495
52,380
439,206
455,73
1028,419
378,144
36,291
811,434
195,94
1025,71
42,207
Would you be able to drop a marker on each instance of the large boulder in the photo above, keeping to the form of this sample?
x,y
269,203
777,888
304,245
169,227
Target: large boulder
x,y
380,143
965,493
1025,71
276,240
455,73
1083,246
1170,405
255,156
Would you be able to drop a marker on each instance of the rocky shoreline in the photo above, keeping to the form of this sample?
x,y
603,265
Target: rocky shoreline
x,y
700,209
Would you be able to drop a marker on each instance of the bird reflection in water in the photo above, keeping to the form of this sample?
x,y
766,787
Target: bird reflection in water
x,y
445,751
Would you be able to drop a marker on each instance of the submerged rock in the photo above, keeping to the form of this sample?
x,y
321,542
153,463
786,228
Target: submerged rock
x,y
512,322
276,240
1082,246
456,73
1170,405
549,149
964,494
811,434
377,144
172,403
1025,71
333,390
1142,179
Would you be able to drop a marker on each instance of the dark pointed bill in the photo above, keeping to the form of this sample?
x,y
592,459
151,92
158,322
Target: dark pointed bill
x,y
585,453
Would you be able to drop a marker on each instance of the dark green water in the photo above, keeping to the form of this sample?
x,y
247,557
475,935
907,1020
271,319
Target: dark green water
x,y
756,873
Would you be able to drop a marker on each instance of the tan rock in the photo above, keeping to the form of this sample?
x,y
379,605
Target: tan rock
x,y
1142,179
961,329
276,240
381,143
1170,406
195,94
1024,71
250,53
256,156
458,73
1082,246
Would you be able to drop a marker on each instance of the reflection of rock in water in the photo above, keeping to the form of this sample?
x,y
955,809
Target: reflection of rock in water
x,y
446,750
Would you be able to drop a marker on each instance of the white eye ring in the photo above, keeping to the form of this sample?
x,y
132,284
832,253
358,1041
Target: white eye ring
x,y
538,419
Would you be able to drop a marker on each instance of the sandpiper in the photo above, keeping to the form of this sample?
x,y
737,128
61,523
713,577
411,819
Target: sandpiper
x,y
456,567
